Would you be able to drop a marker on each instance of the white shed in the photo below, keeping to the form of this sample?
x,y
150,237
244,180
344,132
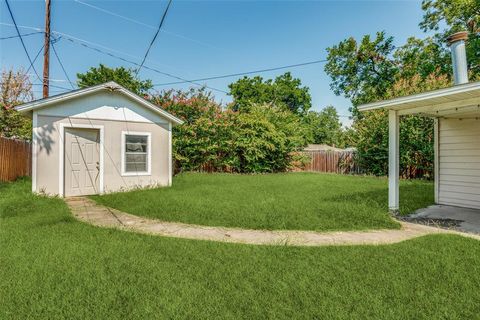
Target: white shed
x,y
456,111
99,139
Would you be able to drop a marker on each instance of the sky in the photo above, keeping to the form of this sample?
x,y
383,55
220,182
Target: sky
x,y
203,38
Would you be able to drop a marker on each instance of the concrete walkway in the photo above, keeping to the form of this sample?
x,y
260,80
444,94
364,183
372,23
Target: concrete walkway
x,y
87,210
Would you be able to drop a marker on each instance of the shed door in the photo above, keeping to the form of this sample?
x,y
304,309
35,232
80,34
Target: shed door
x,y
82,162
459,146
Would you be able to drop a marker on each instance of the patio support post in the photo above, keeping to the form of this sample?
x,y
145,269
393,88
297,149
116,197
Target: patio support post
x,y
436,163
393,161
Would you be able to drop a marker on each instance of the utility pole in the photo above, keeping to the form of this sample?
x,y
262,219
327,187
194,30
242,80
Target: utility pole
x,y
46,51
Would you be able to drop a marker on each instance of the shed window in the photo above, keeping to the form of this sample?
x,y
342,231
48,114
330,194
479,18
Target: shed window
x,y
136,153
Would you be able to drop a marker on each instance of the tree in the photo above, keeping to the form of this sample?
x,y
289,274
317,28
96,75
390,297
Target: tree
x,y
416,133
122,76
454,16
363,71
284,91
16,89
422,57
375,70
325,126
366,72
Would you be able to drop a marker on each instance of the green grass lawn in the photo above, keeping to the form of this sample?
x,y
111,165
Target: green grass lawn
x,y
295,201
54,267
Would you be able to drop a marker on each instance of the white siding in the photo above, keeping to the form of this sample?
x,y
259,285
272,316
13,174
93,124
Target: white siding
x,y
459,158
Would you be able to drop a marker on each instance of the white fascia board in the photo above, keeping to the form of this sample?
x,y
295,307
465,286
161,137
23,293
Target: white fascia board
x,y
42,103
421,96
151,106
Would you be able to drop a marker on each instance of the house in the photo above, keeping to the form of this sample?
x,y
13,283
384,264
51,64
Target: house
x,y
456,112
99,139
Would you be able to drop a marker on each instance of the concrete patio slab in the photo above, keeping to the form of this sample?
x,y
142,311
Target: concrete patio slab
x,y
468,220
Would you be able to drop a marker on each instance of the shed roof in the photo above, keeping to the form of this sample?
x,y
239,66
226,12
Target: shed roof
x,y
457,101
108,86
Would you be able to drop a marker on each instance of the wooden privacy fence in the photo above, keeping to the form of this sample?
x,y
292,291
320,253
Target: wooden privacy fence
x,y
343,162
335,161
15,159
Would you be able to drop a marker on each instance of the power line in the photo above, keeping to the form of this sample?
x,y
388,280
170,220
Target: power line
x,y
144,24
66,35
90,45
35,59
52,85
50,79
21,39
81,42
114,14
20,26
23,35
145,67
73,37
61,64
154,37
246,73
41,84
53,91
59,87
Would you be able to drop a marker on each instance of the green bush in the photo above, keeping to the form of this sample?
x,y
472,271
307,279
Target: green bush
x,y
416,144
261,139
266,138
206,137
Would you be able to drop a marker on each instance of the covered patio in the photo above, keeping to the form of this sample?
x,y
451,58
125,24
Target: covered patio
x,y
456,112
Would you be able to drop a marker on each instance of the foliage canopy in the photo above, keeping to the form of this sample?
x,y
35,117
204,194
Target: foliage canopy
x,y
260,140
374,69
285,91
123,76
16,89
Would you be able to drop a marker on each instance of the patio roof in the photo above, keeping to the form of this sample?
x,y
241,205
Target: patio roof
x,y
460,101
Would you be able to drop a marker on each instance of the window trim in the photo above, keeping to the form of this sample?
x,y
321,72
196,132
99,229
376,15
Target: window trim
x,y
149,153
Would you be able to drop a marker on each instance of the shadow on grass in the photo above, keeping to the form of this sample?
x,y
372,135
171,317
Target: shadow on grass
x,y
56,221
413,196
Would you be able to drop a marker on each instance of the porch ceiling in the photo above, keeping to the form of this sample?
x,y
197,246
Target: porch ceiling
x,y
461,101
